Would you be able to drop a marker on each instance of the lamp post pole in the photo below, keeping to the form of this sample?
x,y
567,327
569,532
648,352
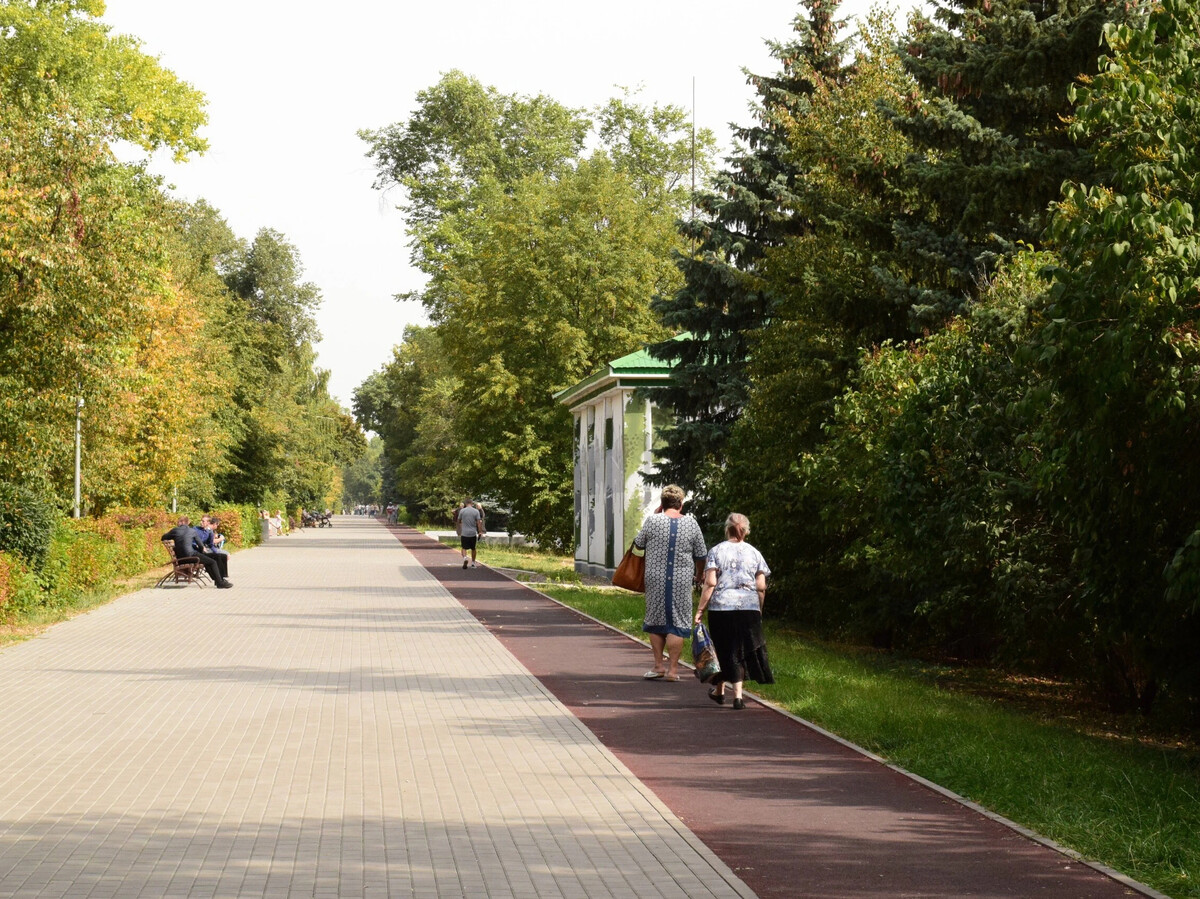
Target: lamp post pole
x,y
78,441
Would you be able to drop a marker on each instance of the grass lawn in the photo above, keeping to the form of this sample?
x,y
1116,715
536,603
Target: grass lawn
x,y
1127,803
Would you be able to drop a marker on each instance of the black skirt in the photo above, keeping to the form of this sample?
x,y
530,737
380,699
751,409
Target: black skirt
x,y
741,649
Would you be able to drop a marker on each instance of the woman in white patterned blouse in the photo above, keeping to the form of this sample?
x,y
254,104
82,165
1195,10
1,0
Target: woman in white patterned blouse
x,y
735,588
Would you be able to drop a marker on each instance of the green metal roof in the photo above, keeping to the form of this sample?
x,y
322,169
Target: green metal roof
x,y
639,362
632,370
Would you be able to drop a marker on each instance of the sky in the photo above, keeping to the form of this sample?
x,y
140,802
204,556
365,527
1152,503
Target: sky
x,y
289,85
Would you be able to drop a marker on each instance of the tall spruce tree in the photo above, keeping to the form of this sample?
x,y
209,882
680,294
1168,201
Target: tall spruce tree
x,y
724,299
991,136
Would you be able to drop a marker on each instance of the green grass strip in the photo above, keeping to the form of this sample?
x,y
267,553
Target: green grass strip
x,y
1133,807
550,566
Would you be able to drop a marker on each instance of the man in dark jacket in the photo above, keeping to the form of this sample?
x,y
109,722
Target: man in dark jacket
x,y
189,546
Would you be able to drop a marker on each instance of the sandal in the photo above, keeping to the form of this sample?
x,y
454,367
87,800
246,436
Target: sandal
x,y
653,675
671,678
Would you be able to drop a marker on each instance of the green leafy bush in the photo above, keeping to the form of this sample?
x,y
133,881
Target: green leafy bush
x,y
150,519
90,555
240,526
1119,355
928,467
80,560
9,568
26,523
19,590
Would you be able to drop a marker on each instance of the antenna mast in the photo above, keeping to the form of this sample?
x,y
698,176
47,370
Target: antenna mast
x,y
693,219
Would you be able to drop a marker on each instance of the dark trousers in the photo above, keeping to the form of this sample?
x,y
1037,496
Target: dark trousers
x,y
222,561
211,566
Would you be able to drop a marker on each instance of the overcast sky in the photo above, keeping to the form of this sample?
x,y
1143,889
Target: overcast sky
x,y
290,83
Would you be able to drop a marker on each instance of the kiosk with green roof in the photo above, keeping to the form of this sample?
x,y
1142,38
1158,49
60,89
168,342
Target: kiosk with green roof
x,y
614,447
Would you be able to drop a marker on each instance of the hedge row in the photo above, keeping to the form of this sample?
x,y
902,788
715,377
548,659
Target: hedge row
x,y
92,554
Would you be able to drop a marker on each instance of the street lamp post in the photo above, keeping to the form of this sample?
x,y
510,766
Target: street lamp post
x,y
78,441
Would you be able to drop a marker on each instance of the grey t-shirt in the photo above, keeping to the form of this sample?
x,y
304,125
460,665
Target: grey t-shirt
x,y
469,517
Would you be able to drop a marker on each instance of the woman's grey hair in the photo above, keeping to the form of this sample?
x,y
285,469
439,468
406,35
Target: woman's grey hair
x,y
737,525
672,497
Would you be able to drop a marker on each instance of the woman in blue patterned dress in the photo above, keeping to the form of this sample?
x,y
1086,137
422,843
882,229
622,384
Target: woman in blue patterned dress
x,y
675,555
735,588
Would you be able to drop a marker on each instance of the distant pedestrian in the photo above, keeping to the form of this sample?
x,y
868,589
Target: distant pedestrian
x,y
735,589
469,525
675,551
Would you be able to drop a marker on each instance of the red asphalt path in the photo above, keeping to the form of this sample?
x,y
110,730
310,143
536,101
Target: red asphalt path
x,y
791,811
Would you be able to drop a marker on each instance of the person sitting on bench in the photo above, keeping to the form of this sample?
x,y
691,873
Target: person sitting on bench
x,y
188,546
209,545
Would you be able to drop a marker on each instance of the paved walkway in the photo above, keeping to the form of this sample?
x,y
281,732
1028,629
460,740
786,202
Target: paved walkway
x,y
335,725
361,717
792,811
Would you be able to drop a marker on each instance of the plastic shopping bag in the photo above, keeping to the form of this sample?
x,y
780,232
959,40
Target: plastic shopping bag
x,y
704,655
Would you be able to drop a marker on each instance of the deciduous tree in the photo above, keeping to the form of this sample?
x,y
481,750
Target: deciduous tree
x,y
561,285
1119,349
542,265
84,260
407,404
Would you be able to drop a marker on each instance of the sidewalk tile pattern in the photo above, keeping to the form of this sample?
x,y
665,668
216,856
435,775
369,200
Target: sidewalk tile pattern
x,y
335,725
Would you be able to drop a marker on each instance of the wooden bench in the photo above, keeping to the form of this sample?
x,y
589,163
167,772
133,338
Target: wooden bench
x,y
187,570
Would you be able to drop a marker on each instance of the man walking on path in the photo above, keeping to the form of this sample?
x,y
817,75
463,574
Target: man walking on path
x,y
469,520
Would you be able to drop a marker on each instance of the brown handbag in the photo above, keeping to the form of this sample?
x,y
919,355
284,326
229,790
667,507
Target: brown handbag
x,y
631,573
